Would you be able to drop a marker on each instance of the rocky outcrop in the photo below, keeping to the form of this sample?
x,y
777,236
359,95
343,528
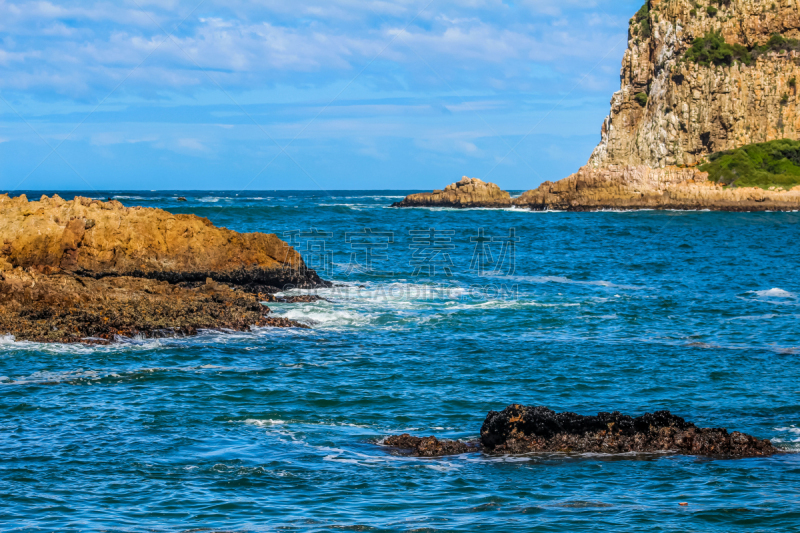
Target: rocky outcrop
x,y
642,187
521,429
692,110
90,271
469,192
98,239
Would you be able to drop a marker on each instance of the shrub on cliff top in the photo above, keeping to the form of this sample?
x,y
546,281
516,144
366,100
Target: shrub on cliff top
x,y
770,164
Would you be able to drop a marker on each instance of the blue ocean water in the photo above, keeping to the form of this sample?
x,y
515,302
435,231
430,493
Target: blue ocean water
x,y
438,316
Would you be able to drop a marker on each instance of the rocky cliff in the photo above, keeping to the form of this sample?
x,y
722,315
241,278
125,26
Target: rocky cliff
x,y
690,110
696,80
89,271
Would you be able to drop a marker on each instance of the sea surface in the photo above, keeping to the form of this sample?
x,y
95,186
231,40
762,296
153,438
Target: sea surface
x,y
437,317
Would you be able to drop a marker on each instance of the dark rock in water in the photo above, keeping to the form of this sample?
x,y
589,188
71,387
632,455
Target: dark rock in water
x,y
430,446
68,308
182,199
522,429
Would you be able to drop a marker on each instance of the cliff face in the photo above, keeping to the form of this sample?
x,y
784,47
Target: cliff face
x,y
693,110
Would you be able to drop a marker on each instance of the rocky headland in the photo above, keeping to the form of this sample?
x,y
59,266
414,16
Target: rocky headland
x,y
85,270
696,81
522,429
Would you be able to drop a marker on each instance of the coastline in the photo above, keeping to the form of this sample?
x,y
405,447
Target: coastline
x,y
620,188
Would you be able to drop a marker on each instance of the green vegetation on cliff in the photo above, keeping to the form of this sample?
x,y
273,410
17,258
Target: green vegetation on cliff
x,y
770,164
712,49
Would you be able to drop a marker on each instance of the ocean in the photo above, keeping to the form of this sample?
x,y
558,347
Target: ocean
x,y
436,316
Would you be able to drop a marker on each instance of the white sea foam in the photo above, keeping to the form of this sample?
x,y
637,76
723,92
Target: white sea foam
x,y
775,293
568,281
262,423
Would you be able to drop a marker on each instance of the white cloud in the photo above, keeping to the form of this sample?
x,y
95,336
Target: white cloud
x,y
70,46
192,144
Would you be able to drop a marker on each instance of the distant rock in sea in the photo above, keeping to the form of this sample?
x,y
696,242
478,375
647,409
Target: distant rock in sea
x,y
469,192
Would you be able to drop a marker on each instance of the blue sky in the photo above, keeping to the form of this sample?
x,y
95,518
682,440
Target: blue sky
x,y
308,94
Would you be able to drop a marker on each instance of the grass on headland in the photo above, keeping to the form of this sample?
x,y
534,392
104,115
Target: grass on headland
x,y
771,164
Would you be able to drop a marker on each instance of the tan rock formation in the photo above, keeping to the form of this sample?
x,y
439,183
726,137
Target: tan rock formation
x,y
642,187
693,110
469,192
85,270
96,238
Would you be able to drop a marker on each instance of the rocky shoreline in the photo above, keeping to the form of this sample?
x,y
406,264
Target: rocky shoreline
x,y
522,429
616,187
90,271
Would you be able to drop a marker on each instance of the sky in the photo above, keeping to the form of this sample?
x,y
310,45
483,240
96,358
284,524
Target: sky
x,y
303,95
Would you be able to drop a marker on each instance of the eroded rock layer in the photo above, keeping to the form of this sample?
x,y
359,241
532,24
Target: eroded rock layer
x,y
522,429
64,307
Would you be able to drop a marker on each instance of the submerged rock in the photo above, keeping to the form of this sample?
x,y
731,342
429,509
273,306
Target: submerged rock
x,y
522,429
430,446
469,192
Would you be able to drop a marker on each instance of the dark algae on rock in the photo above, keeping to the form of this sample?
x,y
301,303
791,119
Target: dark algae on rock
x,y
522,429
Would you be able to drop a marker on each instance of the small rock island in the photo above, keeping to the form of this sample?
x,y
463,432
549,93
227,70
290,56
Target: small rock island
x,y
85,270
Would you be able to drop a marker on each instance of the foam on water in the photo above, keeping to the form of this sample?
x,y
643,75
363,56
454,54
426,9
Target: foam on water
x,y
775,293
